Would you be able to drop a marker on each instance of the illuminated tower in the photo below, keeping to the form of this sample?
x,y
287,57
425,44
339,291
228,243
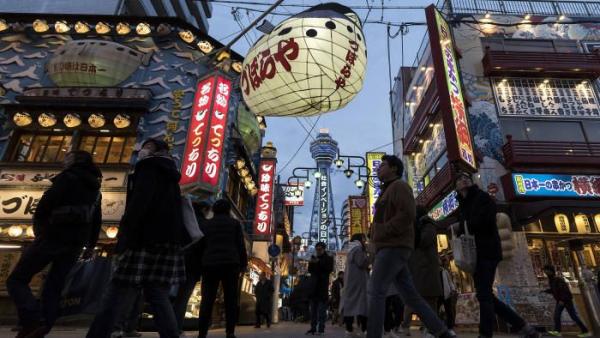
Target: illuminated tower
x,y
323,227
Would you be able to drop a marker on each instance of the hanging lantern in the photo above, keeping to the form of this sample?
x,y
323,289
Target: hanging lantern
x,y
61,27
243,172
247,179
561,221
205,46
237,66
102,28
82,27
72,120
312,63
22,119
187,36
46,120
15,231
29,232
163,29
112,231
582,223
96,120
253,191
3,25
143,28
250,185
597,221
40,26
123,28
240,163
122,121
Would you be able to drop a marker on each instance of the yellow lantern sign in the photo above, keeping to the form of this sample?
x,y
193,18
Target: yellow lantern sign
x,y
442,242
561,221
597,221
583,224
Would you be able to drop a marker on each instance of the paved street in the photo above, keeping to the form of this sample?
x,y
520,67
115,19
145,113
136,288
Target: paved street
x,y
285,329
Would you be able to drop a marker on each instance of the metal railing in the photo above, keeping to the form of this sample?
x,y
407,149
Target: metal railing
x,y
550,152
587,8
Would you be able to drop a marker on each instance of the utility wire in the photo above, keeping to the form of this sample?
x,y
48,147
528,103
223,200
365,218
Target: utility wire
x,y
257,3
305,129
309,134
369,12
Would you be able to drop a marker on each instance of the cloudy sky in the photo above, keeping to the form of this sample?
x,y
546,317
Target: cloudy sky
x,y
369,110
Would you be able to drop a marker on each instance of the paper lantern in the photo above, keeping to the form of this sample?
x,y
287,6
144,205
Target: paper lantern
x,y
143,28
112,231
15,231
311,63
205,46
22,119
123,28
72,120
96,120
81,27
102,28
3,25
561,221
62,27
40,26
122,121
46,120
29,232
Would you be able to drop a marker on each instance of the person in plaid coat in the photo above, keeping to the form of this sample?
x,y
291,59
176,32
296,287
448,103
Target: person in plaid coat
x,y
149,243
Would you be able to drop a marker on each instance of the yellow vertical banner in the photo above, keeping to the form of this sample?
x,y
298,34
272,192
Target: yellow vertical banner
x,y
373,162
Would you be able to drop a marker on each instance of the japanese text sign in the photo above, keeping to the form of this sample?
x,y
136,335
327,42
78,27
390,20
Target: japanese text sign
x,y
449,83
373,162
556,185
444,207
264,200
294,195
358,215
324,206
206,133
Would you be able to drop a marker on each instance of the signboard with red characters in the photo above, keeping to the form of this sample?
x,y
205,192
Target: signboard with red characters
x,y
264,201
206,133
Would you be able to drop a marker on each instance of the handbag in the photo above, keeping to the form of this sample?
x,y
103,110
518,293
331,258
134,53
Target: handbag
x,y
464,250
190,222
85,283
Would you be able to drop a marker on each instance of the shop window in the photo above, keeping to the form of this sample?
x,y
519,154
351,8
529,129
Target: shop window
x,y
42,148
529,45
108,149
554,131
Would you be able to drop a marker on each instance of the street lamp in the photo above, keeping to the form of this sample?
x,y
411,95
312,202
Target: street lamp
x,y
359,183
339,162
298,192
348,172
307,184
317,174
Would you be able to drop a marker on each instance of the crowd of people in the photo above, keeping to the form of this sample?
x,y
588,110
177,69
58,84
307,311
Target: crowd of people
x,y
390,275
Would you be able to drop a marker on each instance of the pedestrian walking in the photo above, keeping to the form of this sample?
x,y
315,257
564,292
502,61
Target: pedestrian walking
x,y
127,326
149,244
193,264
424,264
223,261
336,297
394,313
477,211
450,296
319,267
264,300
354,297
67,219
393,237
564,300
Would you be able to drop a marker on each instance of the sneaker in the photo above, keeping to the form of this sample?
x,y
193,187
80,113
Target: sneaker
x,y
584,335
310,333
398,330
131,334
554,333
349,334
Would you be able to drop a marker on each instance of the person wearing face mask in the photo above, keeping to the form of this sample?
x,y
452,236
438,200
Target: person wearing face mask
x,y
151,234
67,218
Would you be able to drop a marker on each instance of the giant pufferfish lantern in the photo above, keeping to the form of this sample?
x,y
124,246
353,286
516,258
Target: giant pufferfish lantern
x,y
312,63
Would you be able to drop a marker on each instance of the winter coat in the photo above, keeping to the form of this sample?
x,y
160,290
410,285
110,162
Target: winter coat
x,y
336,291
394,217
224,243
193,254
559,289
356,276
478,210
76,185
264,296
319,277
424,262
153,214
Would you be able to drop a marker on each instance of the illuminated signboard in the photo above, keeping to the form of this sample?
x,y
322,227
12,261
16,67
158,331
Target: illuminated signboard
x,y
454,111
323,183
206,133
556,185
264,200
373,162
444,207
294,195
358,215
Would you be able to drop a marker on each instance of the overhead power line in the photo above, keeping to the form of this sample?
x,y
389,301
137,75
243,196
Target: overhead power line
x,y
258,3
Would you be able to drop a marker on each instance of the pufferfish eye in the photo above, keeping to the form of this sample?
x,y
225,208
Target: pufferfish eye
x,y
285,31
311,33
330,24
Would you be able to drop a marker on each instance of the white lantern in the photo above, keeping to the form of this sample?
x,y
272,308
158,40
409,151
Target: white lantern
x,y
122,121
72,120
96,120
102,28
311,63
143,28
112,231
22,119
46,120
15,231
123,28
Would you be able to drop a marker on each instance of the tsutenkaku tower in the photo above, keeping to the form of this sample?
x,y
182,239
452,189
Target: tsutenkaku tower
x,y
323,226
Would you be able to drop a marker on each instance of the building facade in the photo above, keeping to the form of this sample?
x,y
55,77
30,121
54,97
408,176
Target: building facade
x,y
508,91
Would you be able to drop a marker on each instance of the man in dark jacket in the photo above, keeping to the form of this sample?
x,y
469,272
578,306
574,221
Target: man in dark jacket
x,y
319,267
223,261
193,264
564,300
149,244
478,212
336,296
67,218
264,300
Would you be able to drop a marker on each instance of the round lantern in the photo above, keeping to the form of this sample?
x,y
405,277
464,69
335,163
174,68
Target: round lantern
x,y
29,232
311,63
40,26
112,231
96,120
46,120
122,121
15,231
143,28
102,28
123,28
72,120
82,27
61,26
22,119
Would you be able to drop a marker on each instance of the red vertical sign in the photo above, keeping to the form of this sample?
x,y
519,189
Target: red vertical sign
x,y
264,201
216,136
201,163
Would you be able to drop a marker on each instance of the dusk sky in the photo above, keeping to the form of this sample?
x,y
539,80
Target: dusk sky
x,y
365,123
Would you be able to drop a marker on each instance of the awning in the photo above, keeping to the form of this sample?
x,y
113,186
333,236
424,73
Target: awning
x,y
260,265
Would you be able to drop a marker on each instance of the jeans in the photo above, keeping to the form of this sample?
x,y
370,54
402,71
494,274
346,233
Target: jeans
x,y
484,275
228,276
391,266
572,312
260,313
449,310
131,317
361,321
119,297
183,296
318,315
33,260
